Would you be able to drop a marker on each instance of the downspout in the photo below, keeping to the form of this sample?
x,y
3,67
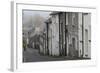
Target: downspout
x,y
47,40
65,36
59,36
82,35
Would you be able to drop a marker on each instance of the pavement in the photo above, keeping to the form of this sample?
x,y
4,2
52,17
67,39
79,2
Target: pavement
x,y
32,55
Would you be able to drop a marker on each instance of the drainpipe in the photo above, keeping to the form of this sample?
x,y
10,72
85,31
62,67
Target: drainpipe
x,y
47,40
82,35
65,36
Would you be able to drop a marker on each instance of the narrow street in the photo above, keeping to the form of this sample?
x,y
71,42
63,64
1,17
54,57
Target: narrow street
x,y
32,55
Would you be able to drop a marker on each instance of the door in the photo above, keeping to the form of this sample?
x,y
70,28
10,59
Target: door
x,y
73,47
86,43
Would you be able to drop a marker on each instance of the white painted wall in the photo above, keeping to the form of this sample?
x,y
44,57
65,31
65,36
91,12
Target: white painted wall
x,y
80,32
87,44
55,35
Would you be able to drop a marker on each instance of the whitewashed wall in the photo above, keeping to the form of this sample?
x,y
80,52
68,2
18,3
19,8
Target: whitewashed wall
x,y
87,37
80,33
55,35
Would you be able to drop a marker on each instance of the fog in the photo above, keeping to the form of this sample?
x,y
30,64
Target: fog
x,y
34,19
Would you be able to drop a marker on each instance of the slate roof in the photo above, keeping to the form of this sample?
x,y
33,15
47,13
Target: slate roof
x,y
48,20
55,12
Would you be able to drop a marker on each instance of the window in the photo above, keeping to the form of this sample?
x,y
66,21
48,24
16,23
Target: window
x,y
73,42
73,19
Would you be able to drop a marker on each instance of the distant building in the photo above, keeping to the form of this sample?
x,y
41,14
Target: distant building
x,y
25,36
68,34
43,46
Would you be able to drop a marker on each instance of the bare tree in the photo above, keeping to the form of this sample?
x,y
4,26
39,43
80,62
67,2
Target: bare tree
x,y
38,21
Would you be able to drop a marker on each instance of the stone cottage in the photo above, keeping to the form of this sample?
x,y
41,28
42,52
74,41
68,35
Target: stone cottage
x,y
69,34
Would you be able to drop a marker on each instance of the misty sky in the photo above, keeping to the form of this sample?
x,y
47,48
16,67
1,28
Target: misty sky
x,y
30,17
